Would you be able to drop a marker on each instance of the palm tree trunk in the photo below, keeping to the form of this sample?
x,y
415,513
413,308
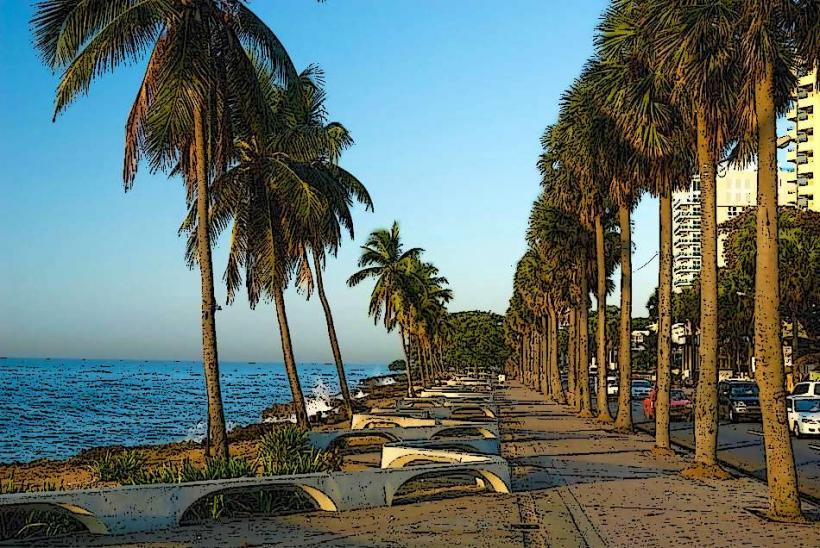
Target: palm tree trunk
x,y
600,346
797,374
623,421
555,375
290,362
664,370
408,366
545,385
583,346
706,419
425,382
331,333
533,360
784,499
217,432
571,359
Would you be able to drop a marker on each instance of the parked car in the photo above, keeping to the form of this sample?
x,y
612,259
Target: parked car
x,y
680,407
612,387
811,388
803,415
738,400
640,389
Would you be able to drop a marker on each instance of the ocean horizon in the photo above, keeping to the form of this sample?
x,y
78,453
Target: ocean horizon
x,y
57,407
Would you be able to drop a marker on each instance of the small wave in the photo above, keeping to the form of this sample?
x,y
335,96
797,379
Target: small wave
x,y
197,432
321,401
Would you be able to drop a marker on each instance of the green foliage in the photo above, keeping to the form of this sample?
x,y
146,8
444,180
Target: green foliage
x,y
476,341
397,365
185,471
119,466
286,450
25,524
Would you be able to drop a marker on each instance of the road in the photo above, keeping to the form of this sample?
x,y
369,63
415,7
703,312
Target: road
x,y
741,446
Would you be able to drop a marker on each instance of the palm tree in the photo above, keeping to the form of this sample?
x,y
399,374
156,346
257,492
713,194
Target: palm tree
x,y
385,260
580,141
284,186
773,35
695,42
340,190
640,103
198,81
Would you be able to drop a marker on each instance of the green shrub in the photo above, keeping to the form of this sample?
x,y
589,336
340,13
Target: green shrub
x,y
120,466
287,450
186,471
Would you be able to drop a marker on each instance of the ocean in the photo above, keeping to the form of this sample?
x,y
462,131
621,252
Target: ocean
x,y
54,408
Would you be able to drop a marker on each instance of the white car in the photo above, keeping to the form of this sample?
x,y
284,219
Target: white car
x,y
811,388
612,386
803,415
640,389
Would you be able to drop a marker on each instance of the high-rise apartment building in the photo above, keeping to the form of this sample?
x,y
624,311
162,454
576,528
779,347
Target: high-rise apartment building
x,y
736,190
802,183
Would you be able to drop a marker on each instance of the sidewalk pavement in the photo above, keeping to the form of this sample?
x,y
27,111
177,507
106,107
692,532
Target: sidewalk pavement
x,y
583,485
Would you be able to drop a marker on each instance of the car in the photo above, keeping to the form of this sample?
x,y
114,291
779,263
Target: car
x,y
811,388
612,387
680,407
803,415
640,389
738,399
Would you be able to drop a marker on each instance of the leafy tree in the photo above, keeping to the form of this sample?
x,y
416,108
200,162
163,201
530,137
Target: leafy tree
x,y
476,342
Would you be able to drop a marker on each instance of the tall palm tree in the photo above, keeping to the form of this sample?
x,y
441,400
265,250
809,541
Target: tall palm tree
x,y
284,184
773,36
339,191
384,259
639,102
198,81
695,42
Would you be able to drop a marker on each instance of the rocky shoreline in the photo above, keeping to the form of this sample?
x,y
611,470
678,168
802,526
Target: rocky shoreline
x,y
75,471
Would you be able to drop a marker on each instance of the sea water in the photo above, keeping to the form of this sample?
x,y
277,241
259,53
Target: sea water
x,y
53,408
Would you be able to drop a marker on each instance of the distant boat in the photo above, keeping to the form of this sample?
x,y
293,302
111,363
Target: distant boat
x,y
252,363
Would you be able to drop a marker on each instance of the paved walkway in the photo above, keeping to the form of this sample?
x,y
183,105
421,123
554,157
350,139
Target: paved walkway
x,y
575,484
589,486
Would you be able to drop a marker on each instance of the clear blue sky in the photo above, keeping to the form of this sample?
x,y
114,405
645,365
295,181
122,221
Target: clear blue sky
x,y
446,101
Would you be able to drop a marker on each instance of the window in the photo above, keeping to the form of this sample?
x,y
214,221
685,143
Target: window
x,y
817,389
801,388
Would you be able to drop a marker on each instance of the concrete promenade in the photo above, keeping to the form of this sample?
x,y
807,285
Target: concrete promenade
x,y
574,484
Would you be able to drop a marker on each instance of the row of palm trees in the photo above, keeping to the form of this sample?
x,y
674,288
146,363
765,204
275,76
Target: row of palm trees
x,y
411,295
221,106
675,87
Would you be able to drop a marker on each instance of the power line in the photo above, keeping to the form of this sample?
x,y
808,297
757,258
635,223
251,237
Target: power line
x,y
647,262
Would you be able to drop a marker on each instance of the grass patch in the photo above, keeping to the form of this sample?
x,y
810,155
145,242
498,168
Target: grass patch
x,y
121,466
25,524
185,471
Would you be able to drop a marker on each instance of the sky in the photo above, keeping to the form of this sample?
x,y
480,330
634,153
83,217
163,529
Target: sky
x,y
446,102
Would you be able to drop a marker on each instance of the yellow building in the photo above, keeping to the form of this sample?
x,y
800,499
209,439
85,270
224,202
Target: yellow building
x,y
803,183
